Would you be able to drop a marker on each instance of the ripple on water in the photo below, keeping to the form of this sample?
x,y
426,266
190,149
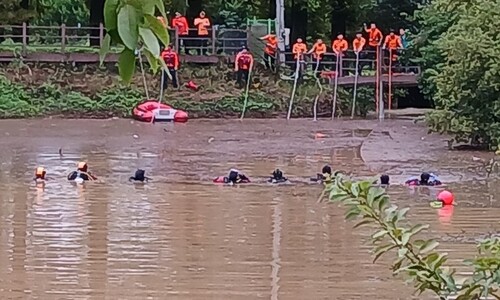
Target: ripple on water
x,y
185,239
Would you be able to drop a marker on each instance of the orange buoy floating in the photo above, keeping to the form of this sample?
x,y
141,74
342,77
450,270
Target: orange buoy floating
x,y
319,135
446,197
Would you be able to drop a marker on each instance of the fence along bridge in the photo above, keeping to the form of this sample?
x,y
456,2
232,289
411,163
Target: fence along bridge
x,y
56,44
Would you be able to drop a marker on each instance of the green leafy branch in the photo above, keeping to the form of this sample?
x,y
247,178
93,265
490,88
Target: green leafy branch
x,y
416,258
132,23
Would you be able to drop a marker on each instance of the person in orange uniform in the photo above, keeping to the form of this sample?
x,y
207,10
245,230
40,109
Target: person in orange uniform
x,y
393,43
339,47
202,23
270,50
298,51
171,59
242,65
358,44
374,36
318,50
180,23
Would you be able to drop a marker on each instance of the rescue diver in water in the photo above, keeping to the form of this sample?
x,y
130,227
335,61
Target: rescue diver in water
x,y
277,177
40,174
325,175
426,179
139,176
234,177
81,172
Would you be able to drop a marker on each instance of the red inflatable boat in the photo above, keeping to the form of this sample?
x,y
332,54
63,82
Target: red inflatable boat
x,y
149,109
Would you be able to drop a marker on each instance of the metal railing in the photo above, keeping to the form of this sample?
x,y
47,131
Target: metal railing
x,y
63,39
347,64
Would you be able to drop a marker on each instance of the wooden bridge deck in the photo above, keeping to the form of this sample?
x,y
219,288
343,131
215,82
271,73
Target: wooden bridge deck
x,y
397,80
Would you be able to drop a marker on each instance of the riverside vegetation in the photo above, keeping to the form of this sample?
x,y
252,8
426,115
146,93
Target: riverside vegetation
x,y
96,92
415,257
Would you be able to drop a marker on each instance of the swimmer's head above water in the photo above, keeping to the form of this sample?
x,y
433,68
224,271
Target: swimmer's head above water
x,y
139,176
327,170
384,179
82,166
40,173
424,178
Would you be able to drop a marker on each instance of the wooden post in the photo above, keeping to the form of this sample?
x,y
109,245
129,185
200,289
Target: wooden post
x,y
101,33
25,38
213,40
381,108
63,37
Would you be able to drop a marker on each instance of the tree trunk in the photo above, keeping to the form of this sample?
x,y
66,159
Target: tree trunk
x,y
298,20
96,18
339,18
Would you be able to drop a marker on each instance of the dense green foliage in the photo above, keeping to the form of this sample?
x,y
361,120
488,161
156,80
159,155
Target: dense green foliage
x,y
92,93
15,11
459,50
416,257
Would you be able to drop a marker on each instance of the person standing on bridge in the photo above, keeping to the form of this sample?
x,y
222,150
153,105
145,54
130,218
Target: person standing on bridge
x,y
339,47
180,24
299,49
270,50
171,59
358,45
242,66
202,23
374,39
318,50
393,43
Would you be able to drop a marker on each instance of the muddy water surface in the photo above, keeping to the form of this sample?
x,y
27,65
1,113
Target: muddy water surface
x,y
181,237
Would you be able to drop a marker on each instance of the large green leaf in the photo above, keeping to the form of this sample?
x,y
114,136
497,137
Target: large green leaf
x,y
126,64
111,14
150,41
104,48
158,29
152,60
128,26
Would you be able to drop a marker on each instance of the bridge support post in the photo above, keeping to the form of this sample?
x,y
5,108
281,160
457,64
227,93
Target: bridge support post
x,y
381,108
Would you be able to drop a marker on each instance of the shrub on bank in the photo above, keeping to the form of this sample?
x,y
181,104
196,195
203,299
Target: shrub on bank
x,y
91,92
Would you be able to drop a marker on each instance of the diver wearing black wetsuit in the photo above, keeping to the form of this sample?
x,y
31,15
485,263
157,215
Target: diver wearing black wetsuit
x,y
139,176
277,177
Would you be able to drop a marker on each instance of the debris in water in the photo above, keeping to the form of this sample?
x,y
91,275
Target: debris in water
x,y
319,135
476,158
211,139
135,136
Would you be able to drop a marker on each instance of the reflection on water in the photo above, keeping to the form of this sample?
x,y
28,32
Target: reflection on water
x,y
182,237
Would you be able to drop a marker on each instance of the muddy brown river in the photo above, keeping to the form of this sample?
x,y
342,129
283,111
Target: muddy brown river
x,y
182,237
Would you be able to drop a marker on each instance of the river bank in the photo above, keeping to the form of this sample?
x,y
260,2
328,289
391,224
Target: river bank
x,y
90,91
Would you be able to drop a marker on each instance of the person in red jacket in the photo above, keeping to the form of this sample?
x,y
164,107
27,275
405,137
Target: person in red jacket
x,y
242,65
180,23
171,59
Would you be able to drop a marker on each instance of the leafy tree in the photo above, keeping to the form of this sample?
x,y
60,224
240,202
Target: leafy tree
x,y
57,12
416,258
132,23
17,11
460,53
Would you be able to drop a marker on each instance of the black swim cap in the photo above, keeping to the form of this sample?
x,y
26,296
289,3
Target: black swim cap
x,y
384,179
327,169
424,177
